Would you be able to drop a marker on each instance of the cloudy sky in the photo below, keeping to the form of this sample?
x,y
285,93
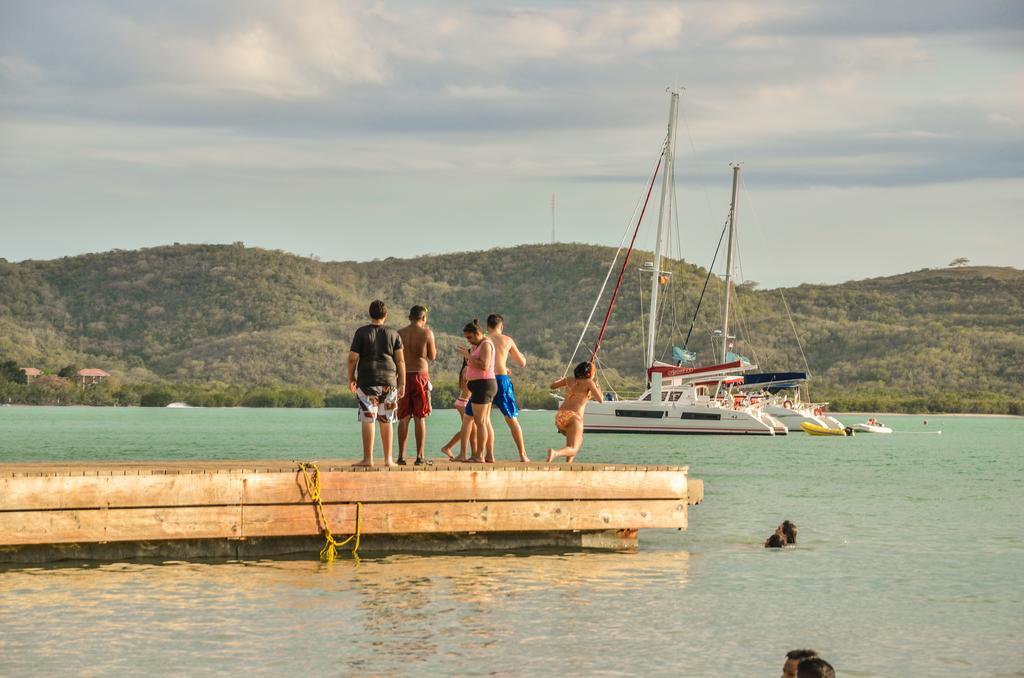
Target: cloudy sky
x,y
876,137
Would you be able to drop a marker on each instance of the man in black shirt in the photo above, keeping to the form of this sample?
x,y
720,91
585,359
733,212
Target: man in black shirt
x,y
376,374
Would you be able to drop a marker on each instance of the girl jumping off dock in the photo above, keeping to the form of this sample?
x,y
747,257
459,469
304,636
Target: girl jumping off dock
x,y
580,388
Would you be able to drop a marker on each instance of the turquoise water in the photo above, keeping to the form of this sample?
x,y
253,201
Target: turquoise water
x,y
909,564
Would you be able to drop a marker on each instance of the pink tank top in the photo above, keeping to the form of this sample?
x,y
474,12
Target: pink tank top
x,y
474,373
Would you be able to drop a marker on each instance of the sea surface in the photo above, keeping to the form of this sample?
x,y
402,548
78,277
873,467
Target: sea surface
x,y
910,563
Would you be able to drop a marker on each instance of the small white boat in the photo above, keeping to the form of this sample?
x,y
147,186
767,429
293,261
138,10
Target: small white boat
x,y
179,406
871,428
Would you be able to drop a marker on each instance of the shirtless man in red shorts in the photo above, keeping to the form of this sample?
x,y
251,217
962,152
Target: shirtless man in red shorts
x,y
420,351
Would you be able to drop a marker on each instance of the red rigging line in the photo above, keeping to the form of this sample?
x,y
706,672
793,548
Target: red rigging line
x,y
622,271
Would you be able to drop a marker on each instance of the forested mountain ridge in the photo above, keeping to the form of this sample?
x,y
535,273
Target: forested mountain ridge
x,y
943,339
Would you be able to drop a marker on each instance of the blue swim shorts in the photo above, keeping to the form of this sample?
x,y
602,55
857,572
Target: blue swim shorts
x,y
504,400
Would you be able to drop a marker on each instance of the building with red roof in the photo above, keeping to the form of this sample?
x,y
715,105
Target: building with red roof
x,y
31,373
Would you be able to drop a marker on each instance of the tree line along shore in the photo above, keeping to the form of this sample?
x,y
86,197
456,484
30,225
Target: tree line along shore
x,y
113,392
229,325
53,389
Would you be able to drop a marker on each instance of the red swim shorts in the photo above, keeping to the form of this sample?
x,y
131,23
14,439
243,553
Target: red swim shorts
x,y
416,402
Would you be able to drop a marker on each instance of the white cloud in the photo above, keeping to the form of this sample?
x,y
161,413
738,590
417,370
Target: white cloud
x,y
482,91
17,69
254,60
277,94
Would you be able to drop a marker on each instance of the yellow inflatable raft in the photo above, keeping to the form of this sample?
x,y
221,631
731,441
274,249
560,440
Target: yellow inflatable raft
x,y
815,430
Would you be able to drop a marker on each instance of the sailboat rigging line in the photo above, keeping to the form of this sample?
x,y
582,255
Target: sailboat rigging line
x,y
740,317
693,322
679,258
622,271
799,344
782,295
640,286
611,268
696,159
662,312
742,321
602,371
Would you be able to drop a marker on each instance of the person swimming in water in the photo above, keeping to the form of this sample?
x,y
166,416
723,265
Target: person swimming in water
x,y
785,535
789,530
569,417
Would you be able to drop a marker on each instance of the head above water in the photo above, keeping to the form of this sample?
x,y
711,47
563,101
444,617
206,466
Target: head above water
x,y
584,370
473,332
789,529
417,313
793,659
378,310
776,541
495,321
815,667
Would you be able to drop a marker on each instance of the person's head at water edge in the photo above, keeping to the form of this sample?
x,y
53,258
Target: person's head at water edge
x,y
784,535
793,659
815,667
789,530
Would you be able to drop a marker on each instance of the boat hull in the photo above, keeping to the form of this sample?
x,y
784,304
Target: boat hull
x,y
638,416
814,430
868,428
794,417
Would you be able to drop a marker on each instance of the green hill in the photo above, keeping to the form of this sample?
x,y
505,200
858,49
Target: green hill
x,y
197,318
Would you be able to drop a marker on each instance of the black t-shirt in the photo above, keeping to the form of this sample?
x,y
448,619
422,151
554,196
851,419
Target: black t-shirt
x,y
376,346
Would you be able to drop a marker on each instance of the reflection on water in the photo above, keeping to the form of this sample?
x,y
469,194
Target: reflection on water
x,y
909,564
389,615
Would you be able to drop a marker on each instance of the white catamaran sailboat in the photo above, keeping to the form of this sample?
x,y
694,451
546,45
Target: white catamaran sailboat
x,y
785,399
681,399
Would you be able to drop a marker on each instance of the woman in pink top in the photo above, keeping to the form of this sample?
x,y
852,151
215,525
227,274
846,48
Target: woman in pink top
x,y
482,388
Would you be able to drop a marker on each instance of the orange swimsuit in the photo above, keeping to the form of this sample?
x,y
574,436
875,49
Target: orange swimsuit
x,y
563,418
565,415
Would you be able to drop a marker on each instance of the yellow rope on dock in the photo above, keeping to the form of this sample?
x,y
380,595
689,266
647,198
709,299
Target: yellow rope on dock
x,y
331,545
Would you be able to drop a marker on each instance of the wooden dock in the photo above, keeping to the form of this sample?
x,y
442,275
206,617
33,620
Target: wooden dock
x,y
237,509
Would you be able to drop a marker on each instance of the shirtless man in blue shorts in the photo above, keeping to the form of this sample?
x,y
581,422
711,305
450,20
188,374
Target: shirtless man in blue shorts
x,y
505,349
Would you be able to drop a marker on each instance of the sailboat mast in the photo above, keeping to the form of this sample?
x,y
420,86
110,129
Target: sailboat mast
x,y
730,261
663,215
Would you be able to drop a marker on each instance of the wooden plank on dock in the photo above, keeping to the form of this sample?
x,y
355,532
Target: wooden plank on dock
x,y
197,522
82,503
441,517
91,468
111,491
101,525
289,487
